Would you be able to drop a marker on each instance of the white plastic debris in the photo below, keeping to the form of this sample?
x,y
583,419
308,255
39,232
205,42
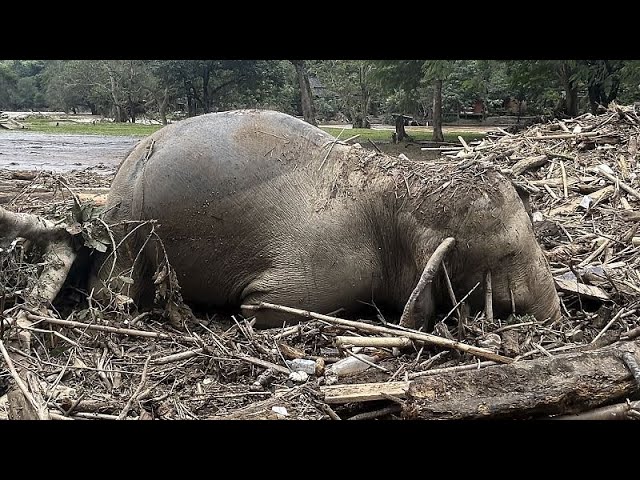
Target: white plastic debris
x,y
302,365
298,377
206,381
351,365
403,156
585,202
577,129
537,217
280,411
606,169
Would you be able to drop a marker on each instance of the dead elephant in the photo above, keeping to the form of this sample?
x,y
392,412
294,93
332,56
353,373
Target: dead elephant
x,y
257,206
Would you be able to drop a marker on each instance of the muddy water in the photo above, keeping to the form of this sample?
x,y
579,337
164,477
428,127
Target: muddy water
x,y
21,150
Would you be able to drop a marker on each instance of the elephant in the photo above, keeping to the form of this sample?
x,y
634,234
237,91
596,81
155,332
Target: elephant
x,y
259,206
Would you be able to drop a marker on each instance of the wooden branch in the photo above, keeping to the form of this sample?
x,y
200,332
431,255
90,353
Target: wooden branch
x,y
32,227
177,357
374,145
458,368
31,411
136,394
455,307
615,180
388,342
607,326
410,314
528,163
527,389
377,413
405,332
464,144
488,297
58,258
363,392
597,252
573,286
564,180
619,411
104,328
262,363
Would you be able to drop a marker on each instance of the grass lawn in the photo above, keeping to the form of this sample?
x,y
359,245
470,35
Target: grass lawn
x,y
137,129
382,136
100,128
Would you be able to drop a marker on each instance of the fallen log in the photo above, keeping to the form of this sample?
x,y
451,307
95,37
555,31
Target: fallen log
x,y
565,384
528,163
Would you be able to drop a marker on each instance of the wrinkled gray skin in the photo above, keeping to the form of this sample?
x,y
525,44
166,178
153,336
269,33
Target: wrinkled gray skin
x,y
251,208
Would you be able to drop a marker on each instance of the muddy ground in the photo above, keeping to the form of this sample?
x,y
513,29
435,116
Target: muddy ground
x,y
21,150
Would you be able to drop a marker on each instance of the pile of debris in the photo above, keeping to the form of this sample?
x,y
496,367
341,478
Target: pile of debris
x,y
9,123
90,361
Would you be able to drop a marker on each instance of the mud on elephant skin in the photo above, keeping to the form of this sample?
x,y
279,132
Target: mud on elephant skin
x,y
260,206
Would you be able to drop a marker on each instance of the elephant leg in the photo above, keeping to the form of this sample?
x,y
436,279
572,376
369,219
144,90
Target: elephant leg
x,y
313,291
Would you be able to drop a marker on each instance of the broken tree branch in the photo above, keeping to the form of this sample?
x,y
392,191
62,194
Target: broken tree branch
x,y
388,342
619,411
363,392
29,226
104,328
40,413
405,332
136,394
528,163
616,180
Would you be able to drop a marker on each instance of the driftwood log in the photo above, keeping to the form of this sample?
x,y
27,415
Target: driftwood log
x,y
564,384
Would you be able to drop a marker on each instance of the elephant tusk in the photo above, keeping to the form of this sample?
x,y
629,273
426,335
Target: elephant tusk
x,y
409,314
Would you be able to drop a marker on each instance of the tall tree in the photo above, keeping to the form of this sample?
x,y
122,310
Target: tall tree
x,y
411,75
8,84
436,71
306,95
354,84
603,80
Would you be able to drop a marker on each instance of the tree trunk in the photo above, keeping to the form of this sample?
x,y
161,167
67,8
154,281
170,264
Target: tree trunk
x,y
400,132
365,99
306,96
571,90
437,111
118,113
597,91
594,97
572,100
162,106
206,75
191,108
132,109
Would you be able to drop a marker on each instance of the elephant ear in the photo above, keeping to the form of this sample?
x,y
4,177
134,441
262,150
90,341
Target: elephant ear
x,y
420,306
